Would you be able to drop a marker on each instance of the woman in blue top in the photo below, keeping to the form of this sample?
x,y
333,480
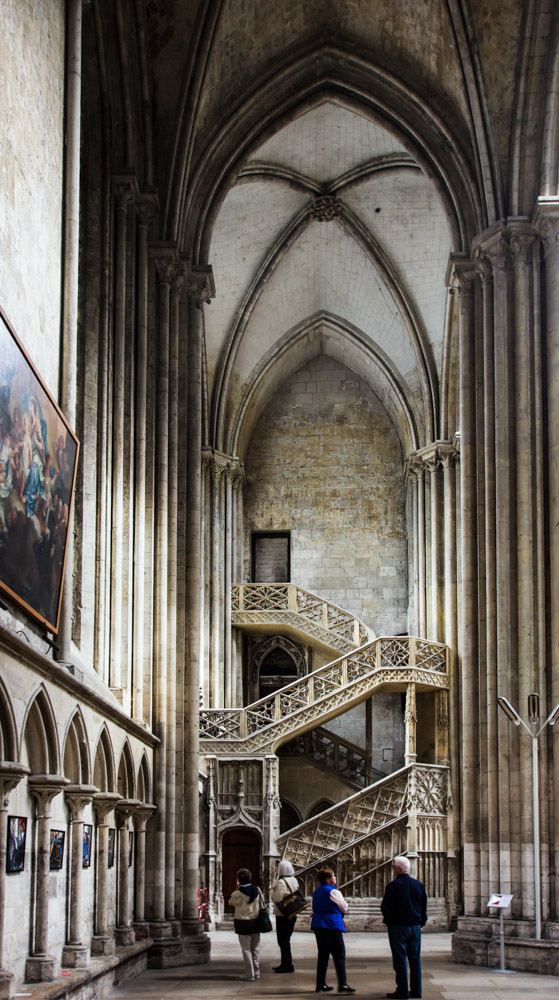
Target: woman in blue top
x,y
328,907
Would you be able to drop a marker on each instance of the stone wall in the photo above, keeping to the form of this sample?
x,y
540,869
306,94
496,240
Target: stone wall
x,y
325,463
31,167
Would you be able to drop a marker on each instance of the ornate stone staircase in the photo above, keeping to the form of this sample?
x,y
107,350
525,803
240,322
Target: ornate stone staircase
x,y
258,607
385,664
334,755
404,812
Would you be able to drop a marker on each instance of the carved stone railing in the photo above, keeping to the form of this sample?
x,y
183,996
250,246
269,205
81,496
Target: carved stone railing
x,y
286,604
387,663
334,754
361,834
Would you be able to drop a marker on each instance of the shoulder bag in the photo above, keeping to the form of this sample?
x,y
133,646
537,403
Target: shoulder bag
x,y
263,918
292,903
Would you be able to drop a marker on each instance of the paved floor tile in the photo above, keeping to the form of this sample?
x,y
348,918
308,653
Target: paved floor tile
x,y
369,971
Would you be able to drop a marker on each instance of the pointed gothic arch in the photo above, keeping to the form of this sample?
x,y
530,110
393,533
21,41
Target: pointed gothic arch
x,y
104,763
76,760
39,734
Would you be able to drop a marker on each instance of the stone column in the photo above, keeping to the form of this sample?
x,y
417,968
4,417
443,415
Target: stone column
x,y
432,464
448,459
200,290
414,590
75,954
11,774
271,817
40,966
140,818
146,207
462,279
217,470
421,593
124,932
103,942
125,188
410,720
68,401
165,267
211,853
547,220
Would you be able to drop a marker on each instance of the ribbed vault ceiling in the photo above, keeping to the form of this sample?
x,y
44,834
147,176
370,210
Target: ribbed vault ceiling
x,y
378,265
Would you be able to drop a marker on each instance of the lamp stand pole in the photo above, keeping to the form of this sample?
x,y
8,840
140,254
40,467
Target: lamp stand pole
x,y
536,836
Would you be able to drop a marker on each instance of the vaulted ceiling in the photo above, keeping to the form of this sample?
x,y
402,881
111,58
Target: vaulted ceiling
x,y
331,228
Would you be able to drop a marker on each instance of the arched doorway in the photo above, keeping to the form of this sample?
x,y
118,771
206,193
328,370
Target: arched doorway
x,y
277,669
289,817
240,848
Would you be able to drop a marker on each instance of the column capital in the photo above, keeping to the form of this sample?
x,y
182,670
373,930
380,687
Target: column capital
x,y
142,815
164,256
125,189
460,274
11,773
77,798
147,207
200,284
44,788
125,808
546,222
104,803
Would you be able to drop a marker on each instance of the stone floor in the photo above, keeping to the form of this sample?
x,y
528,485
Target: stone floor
x,y
369,971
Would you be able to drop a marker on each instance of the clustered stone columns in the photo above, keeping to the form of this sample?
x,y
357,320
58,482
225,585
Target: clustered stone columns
x,y
226,479
141,816
103,942
506,450
271,817
40,966
76,952
547,223
11,773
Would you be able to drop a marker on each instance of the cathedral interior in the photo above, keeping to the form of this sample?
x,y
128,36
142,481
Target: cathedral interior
x,y
279,469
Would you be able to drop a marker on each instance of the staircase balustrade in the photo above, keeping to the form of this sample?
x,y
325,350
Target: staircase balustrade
x,y
335,754
387,662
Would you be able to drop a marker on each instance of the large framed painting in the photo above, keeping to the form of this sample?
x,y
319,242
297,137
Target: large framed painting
x,y
38,462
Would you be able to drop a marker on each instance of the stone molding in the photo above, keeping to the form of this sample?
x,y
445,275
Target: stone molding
x,y
433,456
326,208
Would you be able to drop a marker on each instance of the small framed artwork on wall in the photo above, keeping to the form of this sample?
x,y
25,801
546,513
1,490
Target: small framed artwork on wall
x,y
15,846
111,850
56,849
86,847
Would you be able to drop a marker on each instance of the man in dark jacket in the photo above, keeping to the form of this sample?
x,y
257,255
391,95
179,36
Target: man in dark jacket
x,y
404,909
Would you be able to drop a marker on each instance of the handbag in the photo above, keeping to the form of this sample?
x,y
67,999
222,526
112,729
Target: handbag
x,y
263,918
292,903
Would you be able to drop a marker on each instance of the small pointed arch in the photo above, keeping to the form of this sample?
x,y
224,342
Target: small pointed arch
x,y
76,760
125,775
143,784
104,763
8,740
319,807
39,734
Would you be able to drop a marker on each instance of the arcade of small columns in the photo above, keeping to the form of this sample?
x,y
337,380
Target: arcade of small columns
x,y
131,921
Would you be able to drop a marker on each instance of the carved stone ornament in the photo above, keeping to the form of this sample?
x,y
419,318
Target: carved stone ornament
x,y
326,208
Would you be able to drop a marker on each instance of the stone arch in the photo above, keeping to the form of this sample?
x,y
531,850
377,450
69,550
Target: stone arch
x,y
319,806
143,782
290,816
8,732
320,333
348,78
39,734
276,643
75,757
104,763
126,784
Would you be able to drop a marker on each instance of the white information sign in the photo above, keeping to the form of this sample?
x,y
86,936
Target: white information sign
x,y
500,900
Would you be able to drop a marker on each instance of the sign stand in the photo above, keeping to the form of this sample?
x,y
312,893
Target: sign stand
x,y
501,901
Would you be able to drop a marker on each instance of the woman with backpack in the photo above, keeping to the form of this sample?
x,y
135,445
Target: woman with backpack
x,y
286,884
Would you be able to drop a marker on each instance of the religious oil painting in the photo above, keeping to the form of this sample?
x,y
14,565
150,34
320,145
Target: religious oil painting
x,y
86,847
38,461
56,849
15,847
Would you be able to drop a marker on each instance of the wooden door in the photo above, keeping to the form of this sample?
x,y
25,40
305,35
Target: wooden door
x,y
240,848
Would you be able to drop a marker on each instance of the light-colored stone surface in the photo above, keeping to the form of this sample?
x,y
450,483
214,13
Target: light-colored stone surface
x,y
369,970
324,465
31,162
